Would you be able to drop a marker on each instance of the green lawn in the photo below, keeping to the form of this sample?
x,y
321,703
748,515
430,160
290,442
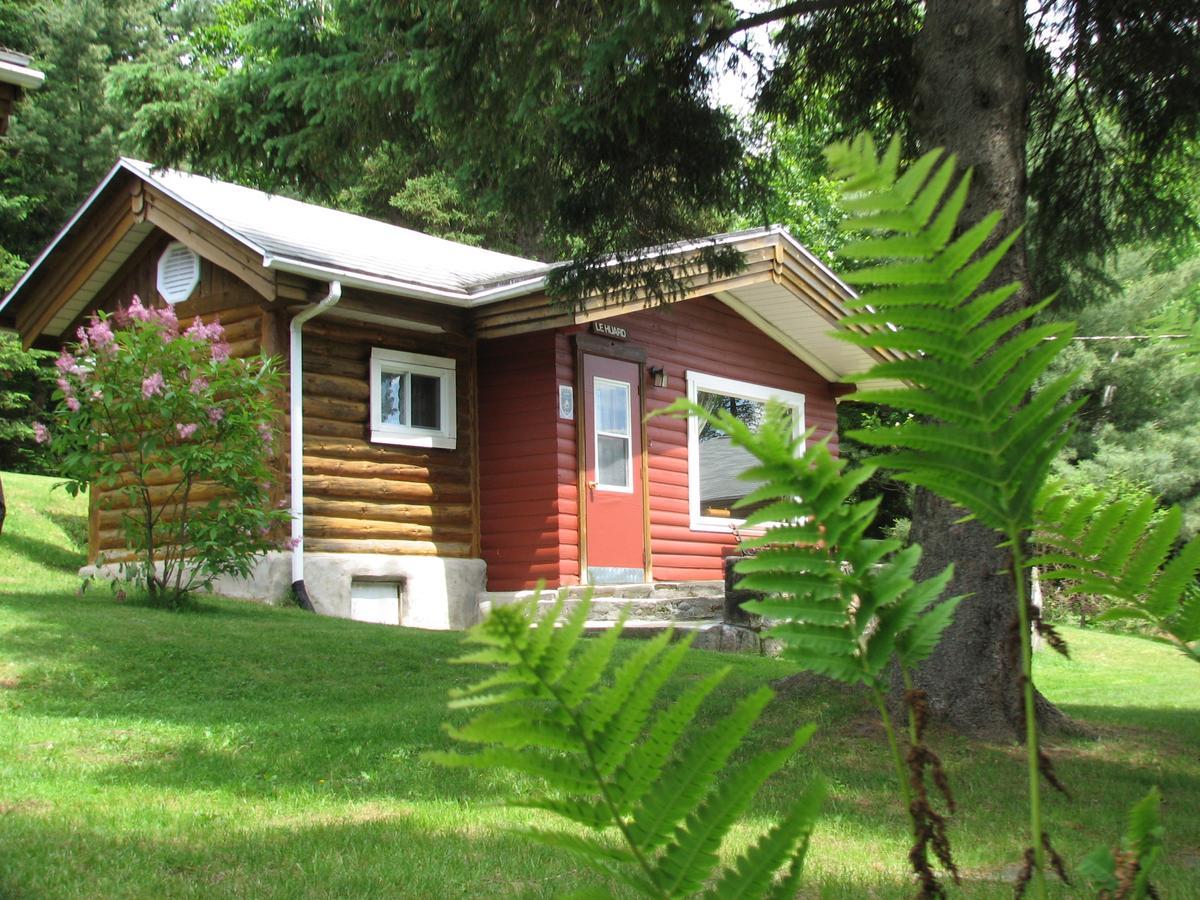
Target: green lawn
x,y
247,751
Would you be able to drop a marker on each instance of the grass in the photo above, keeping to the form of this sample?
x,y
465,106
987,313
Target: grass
x,y
245,751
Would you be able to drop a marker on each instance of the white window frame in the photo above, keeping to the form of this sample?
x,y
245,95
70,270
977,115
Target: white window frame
x,y
743,390
398,362
627,487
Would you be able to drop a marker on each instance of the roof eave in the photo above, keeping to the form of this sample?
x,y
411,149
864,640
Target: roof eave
x,y
22,76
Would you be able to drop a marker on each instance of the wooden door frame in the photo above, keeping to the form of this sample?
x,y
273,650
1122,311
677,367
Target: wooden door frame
x,y
593,345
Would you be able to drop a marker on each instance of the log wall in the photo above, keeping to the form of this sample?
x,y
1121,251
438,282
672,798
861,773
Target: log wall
x,y
365,497
249,326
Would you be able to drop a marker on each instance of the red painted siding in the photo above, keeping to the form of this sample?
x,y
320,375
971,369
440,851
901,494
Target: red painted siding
x,y
522,458
706,336
529,483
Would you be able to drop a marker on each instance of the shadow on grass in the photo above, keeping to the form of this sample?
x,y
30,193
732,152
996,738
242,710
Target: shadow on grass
x,y
369,851
74,526
43,553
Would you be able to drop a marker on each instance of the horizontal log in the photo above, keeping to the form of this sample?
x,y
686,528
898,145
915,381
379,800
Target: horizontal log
x,y
356,529
454,468
452,549
354,369
364,449
338,410
336,385
367,336
388,512
332,428
333,486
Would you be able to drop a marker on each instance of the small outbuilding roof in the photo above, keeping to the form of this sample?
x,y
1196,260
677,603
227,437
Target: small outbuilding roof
x,y
16,68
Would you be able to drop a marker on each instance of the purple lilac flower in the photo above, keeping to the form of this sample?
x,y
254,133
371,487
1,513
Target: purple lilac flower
x,y
199,385
152,385
138,312
73,404
215,414
41,433
220,351
186,431
100,333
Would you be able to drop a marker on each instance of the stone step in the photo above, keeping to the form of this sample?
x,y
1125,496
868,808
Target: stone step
x,y
648,628
662,601
609,609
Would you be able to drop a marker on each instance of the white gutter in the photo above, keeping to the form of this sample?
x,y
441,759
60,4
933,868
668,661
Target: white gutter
x,y
405,289
296,461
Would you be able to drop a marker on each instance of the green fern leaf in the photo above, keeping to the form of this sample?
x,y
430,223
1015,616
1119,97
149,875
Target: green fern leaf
x,y
691,856
616,739
608,702
755,869
686,784
645,763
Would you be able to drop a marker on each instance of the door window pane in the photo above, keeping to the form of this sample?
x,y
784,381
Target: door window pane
x,y
426,401
612,461
391,398
612,407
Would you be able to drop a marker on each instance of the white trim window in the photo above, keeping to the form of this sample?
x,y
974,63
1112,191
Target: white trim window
x,y
713,462
614,435
413,399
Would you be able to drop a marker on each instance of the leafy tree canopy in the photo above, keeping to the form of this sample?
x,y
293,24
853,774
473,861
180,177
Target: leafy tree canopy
x,y
587,129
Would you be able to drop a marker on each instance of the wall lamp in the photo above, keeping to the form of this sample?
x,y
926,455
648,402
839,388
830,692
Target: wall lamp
x,y
659,376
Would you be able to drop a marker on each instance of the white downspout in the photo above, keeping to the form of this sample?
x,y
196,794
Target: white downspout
x,y
296,459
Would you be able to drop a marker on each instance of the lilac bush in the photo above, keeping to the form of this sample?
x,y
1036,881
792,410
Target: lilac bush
x,y
169,428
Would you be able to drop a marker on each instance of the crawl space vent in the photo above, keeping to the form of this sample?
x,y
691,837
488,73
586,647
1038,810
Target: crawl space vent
x,y
178,272
376,601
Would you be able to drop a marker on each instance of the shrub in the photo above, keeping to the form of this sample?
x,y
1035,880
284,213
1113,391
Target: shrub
x,y
172,431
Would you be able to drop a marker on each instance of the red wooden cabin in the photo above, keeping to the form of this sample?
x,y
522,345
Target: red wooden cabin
x,y
458,430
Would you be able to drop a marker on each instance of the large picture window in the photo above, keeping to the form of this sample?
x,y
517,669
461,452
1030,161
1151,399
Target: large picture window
x,y
714,463
412,399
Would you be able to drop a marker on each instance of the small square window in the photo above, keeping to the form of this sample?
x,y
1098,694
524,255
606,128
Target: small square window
x,y
412,399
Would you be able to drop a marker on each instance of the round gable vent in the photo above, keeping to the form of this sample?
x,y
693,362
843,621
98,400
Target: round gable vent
x,y
178,272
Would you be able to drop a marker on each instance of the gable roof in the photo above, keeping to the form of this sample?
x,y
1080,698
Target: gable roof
x,y
784,290
308,239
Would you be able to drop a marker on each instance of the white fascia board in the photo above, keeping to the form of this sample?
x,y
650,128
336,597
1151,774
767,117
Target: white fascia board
x,y
21,76
148,176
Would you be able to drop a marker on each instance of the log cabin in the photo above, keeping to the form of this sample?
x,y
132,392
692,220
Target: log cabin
x,y
453,428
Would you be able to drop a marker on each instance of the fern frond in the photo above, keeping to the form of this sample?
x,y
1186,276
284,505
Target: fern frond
x,y
692,854
606,742
971,366
685,785
754,870
1109,547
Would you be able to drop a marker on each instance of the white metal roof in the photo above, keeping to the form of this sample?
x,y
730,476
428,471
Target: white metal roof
x,y
292,235
325,244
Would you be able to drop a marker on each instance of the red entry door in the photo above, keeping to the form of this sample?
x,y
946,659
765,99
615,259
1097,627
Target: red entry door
x,y
612,410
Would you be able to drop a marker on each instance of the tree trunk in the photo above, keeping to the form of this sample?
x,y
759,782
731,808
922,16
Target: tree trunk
x,y
971,99
3,509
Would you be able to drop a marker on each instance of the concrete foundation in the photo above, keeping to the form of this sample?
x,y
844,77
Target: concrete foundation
x,y
440,594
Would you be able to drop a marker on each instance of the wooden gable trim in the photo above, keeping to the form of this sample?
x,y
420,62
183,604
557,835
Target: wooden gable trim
x,y
76,265
126,268
208,241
